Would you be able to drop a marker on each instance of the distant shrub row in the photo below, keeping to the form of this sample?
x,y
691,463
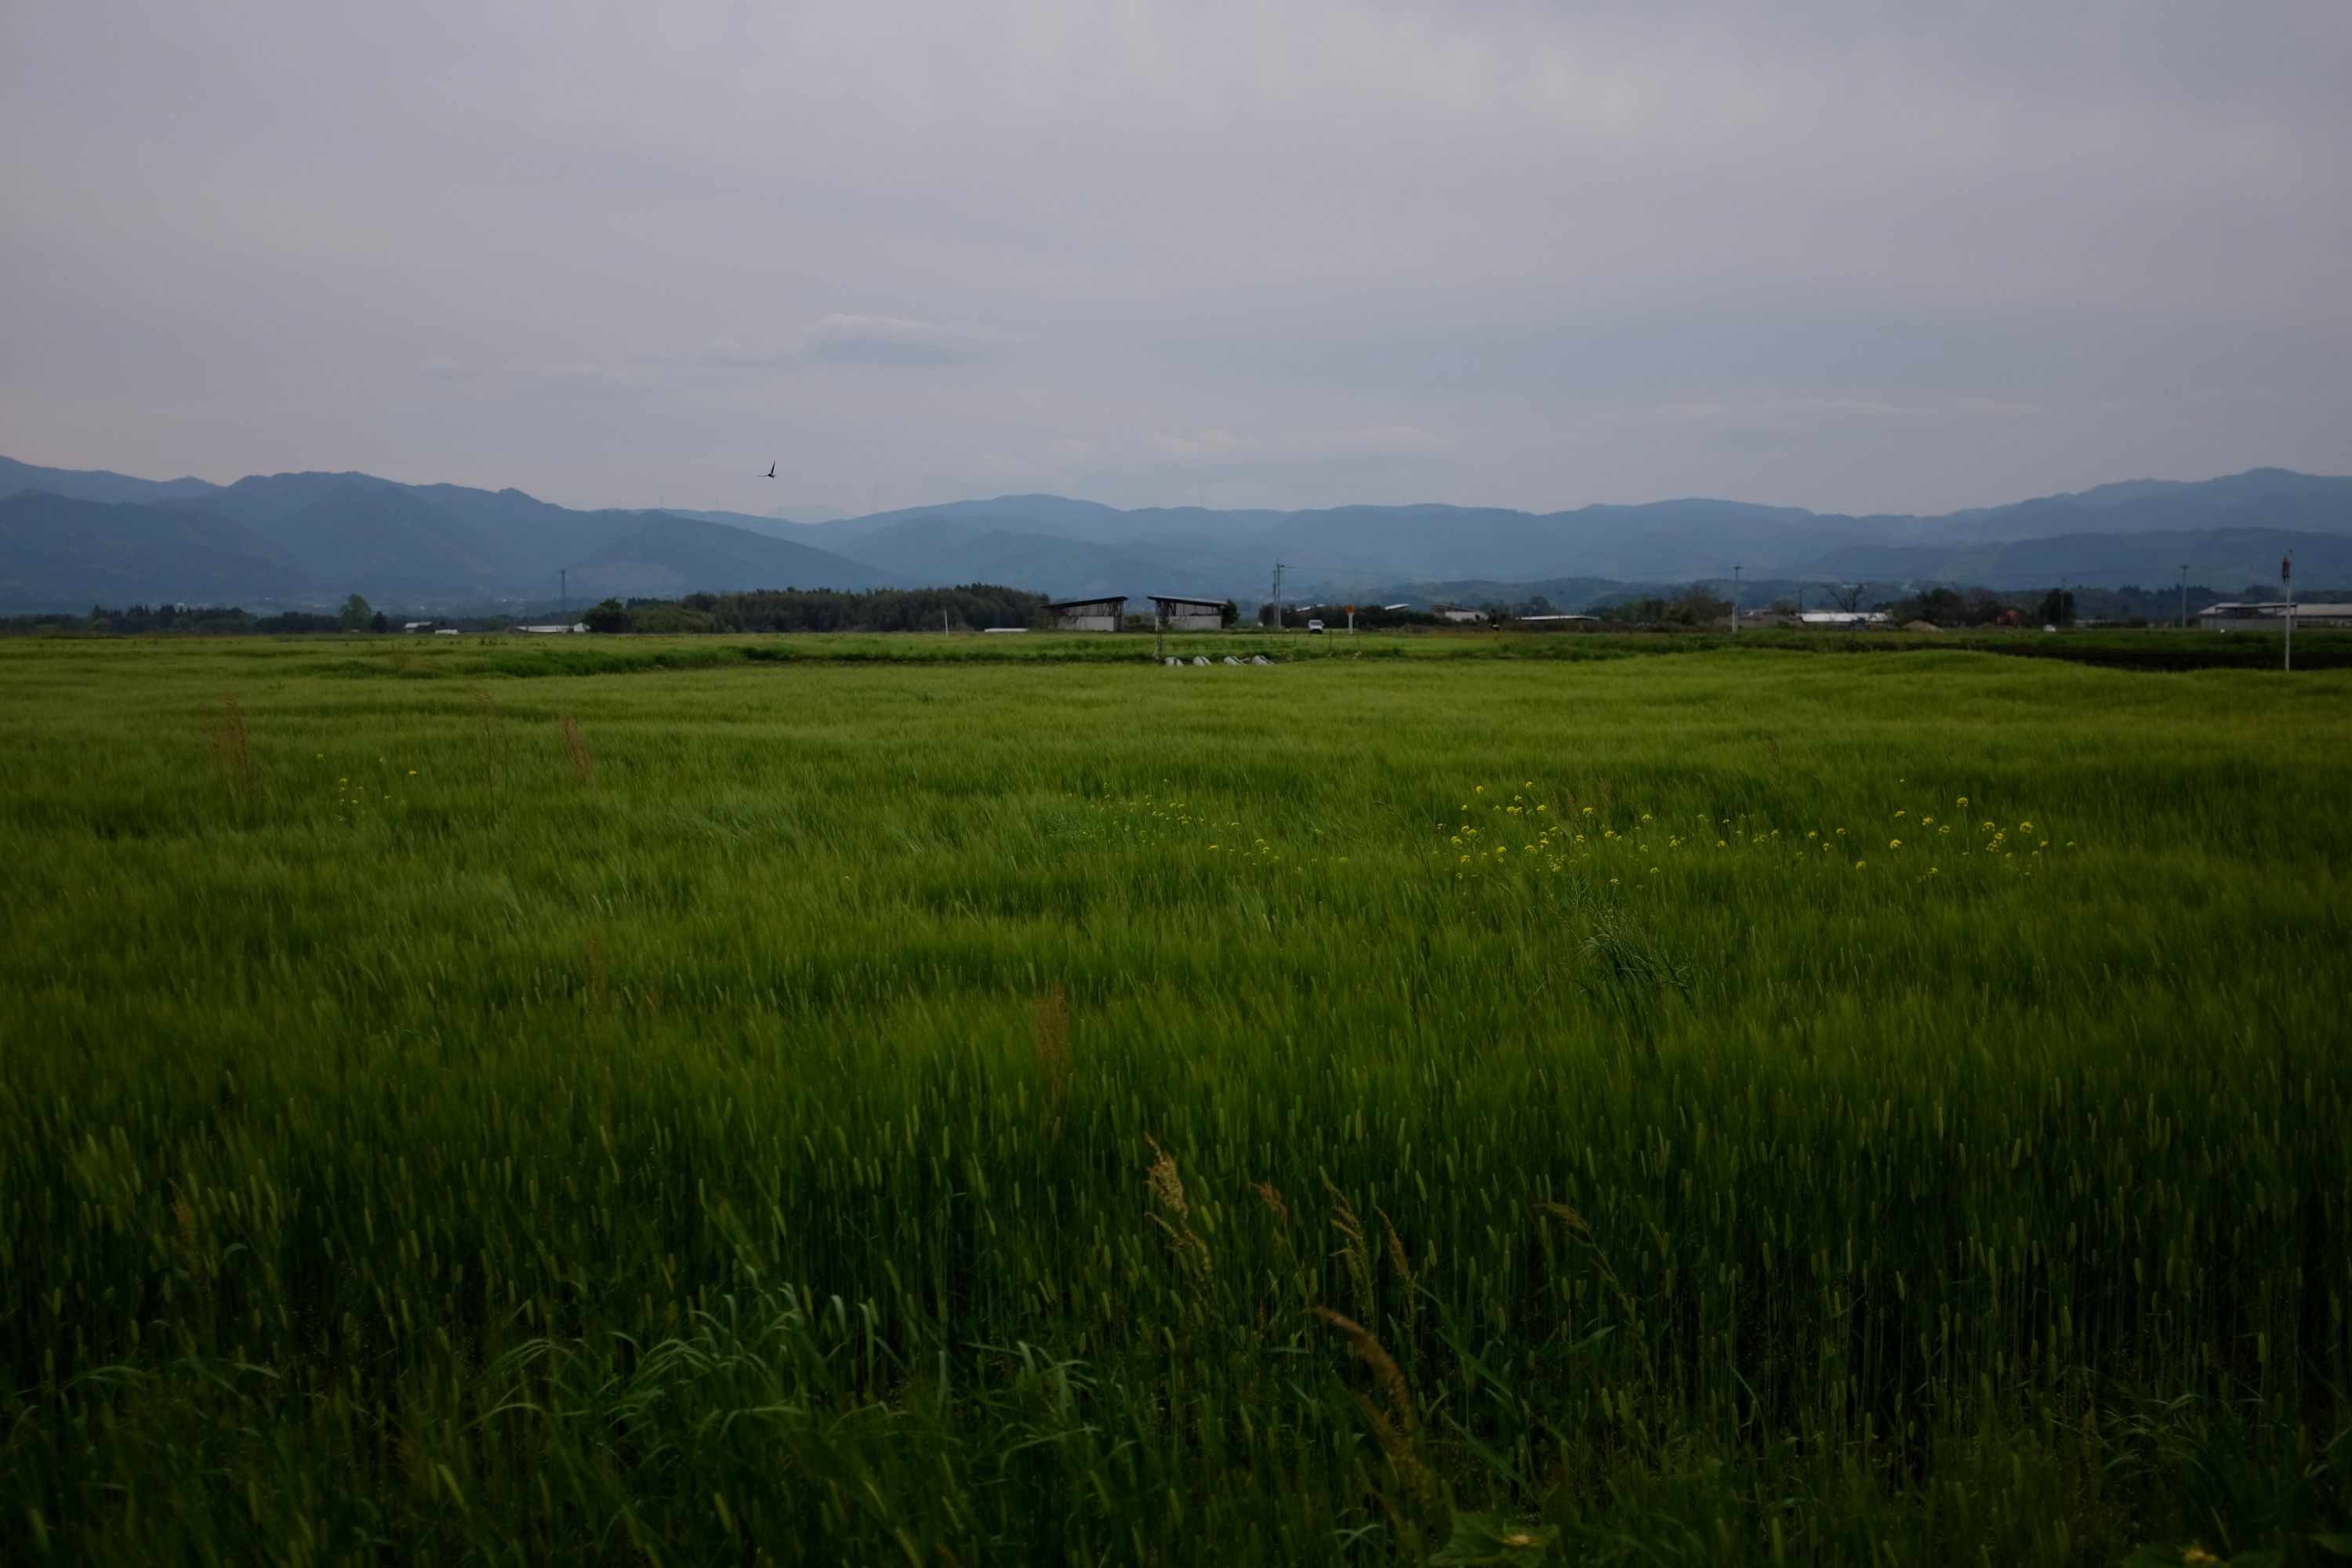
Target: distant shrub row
x,y
196,620
973,607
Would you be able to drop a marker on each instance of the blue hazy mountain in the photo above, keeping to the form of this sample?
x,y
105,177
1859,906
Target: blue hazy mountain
x,y
311,538
670,555
58,553
2134,531
96,485
388,544
2231,556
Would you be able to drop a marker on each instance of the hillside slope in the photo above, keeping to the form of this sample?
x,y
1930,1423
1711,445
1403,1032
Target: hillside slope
x,y
670,555
60,554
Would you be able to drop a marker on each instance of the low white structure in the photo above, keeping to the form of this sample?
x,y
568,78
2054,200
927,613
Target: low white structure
x,y
1460,613
555,628
1843,617
2271,616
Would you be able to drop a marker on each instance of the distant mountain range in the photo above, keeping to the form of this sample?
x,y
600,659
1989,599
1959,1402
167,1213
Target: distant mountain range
x,y
71,539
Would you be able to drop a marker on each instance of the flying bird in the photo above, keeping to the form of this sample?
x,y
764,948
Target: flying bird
x,y
772,470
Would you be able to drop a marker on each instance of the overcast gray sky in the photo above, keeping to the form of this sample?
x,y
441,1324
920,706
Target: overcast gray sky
x,y
1820,252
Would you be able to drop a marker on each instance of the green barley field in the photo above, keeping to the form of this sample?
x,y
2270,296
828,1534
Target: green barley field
x,y
683,1103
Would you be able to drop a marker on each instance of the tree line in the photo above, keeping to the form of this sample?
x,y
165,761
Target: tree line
x,y
975,606
195,620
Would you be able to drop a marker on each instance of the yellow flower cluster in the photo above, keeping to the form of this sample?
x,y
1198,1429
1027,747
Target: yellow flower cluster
x,y
1492,832
355,796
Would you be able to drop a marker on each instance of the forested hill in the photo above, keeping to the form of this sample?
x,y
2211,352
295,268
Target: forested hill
x,y
307,540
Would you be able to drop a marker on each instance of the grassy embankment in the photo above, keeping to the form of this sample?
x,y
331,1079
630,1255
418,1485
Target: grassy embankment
x,y
1020,1114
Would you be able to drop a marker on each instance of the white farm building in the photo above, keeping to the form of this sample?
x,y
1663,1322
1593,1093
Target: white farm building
x,y
2272,617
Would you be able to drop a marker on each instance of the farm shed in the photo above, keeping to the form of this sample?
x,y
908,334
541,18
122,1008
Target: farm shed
x,y
1190,615
2272,617
1102,615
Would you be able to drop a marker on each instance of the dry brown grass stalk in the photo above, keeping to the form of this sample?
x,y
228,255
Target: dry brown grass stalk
x,y
1403,1266
190,1244
233,748
1353,1249
1271,1197
493,725
1396,1427
1050,1033
575,750
1175,1214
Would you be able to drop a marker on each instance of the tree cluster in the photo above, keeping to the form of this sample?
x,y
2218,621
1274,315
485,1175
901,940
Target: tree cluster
x,y
972,608
136,620
1956,607
1694,606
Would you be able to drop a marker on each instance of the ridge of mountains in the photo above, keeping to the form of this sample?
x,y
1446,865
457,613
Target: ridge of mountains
x,y
69,539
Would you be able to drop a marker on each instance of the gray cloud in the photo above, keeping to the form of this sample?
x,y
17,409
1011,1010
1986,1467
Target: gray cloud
x,y
889,340
589,381
1820,252
1223,452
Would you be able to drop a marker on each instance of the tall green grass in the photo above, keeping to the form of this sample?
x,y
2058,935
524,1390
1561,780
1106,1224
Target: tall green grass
x,y
1081,1113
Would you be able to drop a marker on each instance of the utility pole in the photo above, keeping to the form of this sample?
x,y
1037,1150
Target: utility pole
x,y
2286,575
1277,595
2184,595
1735,599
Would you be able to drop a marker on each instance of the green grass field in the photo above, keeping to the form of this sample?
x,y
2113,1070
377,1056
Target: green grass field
x,y
645,1102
